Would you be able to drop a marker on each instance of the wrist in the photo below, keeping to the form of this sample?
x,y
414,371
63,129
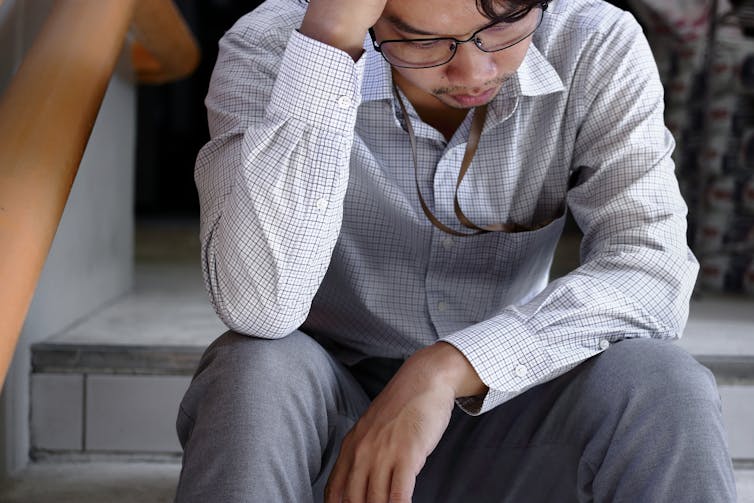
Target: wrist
x,y
333,32
455,370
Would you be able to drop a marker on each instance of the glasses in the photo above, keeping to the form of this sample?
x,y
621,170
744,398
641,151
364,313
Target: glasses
x,y
430,52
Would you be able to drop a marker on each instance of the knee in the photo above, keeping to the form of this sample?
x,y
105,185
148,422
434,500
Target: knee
x,y
257,373
248,366
654,371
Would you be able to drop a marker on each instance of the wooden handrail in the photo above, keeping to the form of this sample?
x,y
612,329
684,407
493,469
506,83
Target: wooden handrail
x,y
165,49
46,116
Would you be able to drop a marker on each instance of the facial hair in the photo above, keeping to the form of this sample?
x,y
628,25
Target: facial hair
x,y
498,81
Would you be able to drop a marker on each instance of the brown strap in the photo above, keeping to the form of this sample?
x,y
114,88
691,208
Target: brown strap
x,y
412,138
471,146
475,133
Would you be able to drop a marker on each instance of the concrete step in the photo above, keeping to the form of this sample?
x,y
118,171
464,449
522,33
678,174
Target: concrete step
x,y
110,385
90,396
720,334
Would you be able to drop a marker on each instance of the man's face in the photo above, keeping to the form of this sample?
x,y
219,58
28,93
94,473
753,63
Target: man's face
x,y
473,77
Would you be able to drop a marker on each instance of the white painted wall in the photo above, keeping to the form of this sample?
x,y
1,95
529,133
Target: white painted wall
x,y
90,263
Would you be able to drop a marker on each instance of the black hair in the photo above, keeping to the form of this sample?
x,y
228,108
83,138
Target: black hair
x,y
492,8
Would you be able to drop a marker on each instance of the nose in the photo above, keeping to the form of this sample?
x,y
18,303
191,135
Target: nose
x,y
471,67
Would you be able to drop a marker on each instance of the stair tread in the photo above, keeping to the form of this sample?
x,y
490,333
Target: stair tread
x,y
720,325
167,317
164,327
90,482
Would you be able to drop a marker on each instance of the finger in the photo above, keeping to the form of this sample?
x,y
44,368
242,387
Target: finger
x,y
334,488
337,481
402,485
356,485
378,485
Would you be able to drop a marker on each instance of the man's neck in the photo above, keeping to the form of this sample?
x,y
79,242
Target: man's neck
x,y
431,110
446,121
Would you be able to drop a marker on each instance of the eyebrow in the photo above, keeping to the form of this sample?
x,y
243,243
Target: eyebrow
x,y
407,28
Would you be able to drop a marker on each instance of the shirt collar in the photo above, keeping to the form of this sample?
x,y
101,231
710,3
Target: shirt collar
x,y
535,76
378,81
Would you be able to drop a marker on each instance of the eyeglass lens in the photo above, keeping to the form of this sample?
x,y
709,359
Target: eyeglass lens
x,y
422,53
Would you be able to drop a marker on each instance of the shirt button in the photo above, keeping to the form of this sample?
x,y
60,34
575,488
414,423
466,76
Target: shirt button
x,y
344,102
322,204
442,306
604,344
521,370
447,243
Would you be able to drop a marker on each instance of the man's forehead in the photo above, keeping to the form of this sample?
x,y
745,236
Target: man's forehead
x,y
431,17
427,9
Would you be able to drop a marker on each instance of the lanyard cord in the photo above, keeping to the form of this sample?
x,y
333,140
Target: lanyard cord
x,y
475,133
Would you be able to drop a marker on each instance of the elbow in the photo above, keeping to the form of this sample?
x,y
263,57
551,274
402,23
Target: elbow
x,y
678,308
242,306
257,318
247,301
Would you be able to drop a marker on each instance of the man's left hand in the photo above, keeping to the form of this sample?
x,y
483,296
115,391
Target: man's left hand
x,y
383,453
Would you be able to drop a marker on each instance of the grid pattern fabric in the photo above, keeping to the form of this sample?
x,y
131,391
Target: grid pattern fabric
x,y
310,217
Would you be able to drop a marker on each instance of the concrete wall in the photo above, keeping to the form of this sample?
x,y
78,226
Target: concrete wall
x,y
90,263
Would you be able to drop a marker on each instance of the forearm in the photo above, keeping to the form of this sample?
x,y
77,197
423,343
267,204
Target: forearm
x,y
575,318
268,253
341,25
272,188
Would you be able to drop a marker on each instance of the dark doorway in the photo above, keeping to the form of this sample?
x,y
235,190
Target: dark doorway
x,y
172,120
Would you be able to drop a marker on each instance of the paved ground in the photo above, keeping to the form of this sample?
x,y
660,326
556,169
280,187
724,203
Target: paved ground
x,y
142,483
100,482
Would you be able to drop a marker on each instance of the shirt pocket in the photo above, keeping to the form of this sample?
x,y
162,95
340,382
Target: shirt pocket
x,y
497,269
523,261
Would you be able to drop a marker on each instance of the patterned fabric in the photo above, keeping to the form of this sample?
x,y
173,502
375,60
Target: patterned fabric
x,y
310,215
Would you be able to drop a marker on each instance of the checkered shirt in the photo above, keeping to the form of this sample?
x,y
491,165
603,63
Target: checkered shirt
x,y
310,217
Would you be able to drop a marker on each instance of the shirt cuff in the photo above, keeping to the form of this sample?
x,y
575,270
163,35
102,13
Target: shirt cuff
x,y
507,356
317,84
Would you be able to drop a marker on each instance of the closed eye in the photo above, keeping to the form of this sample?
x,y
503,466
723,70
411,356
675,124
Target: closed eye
x,y
426,44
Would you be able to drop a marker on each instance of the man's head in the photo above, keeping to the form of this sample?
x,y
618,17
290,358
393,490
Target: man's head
x,y
472,76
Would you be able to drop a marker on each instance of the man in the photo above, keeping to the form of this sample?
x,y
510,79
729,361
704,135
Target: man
x,y
381,200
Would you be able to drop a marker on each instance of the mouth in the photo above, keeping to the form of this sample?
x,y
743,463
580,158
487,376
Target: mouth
x,y
473,100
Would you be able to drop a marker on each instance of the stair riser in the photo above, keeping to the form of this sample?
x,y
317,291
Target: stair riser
x,y
99,413
134,415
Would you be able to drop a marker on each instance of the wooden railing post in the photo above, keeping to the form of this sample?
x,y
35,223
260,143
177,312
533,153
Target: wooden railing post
x,y
46,116
165,48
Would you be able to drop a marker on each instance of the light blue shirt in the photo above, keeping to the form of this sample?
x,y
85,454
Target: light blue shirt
x,y
310,216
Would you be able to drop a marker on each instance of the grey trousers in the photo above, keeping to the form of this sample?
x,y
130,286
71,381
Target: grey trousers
x,y
262,422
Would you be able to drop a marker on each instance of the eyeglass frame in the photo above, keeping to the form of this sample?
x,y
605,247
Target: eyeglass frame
x,y
541,5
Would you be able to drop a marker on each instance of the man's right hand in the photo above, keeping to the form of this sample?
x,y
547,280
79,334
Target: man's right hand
x,y
341,23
